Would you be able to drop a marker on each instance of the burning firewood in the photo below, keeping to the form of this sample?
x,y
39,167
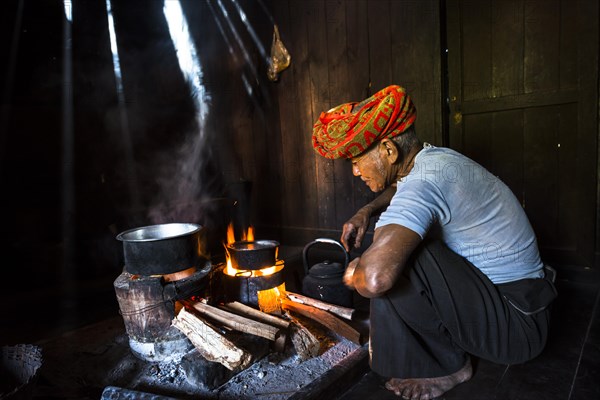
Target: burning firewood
x,y
236,322
325,318
344,312
211,344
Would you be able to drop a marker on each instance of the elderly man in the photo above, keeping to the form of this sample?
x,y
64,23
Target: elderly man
x,y
454,268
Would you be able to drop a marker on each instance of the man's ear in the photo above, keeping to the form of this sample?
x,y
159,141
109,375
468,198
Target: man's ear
x,y
389,150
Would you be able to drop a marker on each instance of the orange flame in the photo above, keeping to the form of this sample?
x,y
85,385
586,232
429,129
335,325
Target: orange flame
x,y
230,233
247,236
229,270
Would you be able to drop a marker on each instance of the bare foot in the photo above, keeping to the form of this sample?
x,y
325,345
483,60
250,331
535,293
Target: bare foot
x,y
429,388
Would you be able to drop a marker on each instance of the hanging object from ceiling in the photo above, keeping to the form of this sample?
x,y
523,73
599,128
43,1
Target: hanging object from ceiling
x,y
280,57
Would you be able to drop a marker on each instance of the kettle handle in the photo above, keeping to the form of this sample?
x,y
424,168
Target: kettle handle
x,y
322,240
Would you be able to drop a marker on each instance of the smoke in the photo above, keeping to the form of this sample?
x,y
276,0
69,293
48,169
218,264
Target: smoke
x,y
188,188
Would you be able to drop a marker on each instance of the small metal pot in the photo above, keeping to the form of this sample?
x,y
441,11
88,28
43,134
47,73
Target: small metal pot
x,y
163,249
255,254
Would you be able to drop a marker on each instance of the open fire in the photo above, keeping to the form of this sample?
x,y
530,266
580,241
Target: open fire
x,y
246,277
216,322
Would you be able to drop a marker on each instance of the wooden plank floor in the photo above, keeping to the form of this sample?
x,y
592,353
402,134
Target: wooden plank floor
x,y
568,368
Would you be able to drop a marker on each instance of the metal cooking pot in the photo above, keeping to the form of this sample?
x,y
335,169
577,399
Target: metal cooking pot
x,y
164,249
252,255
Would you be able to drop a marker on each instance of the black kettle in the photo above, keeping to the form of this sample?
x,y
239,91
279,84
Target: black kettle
x,y
324,281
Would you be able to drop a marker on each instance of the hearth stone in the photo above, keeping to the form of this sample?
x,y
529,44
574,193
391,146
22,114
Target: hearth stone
x,y
97,356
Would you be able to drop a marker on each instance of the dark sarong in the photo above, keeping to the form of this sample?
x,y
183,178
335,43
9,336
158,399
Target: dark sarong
x,y
444,308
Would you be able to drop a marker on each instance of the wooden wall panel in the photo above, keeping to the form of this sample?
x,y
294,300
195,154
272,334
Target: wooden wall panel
x,y
339,76
541,171
475,142
343,51
317,28
507,24
416,61
587,37
298,196
569,22
476,50
508,149
379,18
526,72
358,87
568,194
542,44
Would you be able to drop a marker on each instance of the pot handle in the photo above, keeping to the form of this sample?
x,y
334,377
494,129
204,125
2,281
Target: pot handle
x,y
322,240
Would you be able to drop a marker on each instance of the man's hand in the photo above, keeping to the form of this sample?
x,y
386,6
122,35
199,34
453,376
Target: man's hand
x,y
349,274
355,228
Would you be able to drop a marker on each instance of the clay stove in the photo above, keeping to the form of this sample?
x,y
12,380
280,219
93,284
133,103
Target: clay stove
x,y
252,274
163,264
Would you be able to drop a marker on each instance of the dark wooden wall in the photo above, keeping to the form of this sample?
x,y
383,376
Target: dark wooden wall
x,y
525,74
345,51
258,166
522,101
523,79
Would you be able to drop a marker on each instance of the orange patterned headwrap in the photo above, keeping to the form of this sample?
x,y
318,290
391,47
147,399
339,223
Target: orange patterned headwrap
x,y
349,129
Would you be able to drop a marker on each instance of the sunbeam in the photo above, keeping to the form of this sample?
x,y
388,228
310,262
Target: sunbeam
x,y
232,53
238,39
68,5
187,56
67,166
114,49
123,118
251,31
182,190
240,44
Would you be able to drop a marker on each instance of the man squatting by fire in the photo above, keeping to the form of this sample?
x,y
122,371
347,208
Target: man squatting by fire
x,y
454,268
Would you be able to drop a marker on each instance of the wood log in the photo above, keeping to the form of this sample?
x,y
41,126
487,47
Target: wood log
x,y
211,344
340,311
279,343
325,318
305,343
236,322
244,310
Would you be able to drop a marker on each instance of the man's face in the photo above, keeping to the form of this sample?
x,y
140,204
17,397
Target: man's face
x,y
371,169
